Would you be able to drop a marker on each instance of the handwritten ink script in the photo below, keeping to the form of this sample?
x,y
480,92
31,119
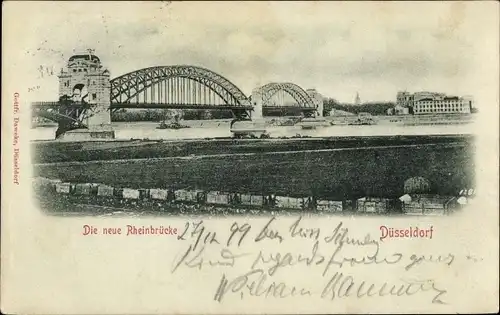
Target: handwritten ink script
x,y
45,71
254,261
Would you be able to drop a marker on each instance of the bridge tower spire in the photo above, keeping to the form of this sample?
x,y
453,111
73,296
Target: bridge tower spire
x,y
84,80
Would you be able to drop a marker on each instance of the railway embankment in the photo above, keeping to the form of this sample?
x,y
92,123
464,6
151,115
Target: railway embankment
x,y
57,197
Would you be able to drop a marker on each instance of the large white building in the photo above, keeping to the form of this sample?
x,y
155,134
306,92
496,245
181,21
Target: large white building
x,y
432,103
444,105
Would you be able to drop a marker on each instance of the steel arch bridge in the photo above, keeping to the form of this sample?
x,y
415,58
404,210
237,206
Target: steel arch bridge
x,y
178,87
174,87
299,95
276,96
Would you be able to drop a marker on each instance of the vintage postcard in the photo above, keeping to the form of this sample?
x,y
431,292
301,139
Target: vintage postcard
x,y
249,157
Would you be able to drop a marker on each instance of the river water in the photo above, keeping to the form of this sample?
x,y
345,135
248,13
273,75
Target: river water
x,y
220,128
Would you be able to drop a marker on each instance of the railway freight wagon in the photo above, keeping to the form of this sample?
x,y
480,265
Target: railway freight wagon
x,y
224,198
377,205
251,200
289,202
329,206
294,203
183,195
162,194
373,205
218,198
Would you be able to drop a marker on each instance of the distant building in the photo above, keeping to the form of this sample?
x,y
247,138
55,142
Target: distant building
x,y
442,105
404,99
431,103
357,100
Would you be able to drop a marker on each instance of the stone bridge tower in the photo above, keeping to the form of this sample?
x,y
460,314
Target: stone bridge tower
x,y
85,80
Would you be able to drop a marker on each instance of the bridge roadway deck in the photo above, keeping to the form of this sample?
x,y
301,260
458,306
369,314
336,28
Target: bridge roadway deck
x,y
52,104
178,106
199,106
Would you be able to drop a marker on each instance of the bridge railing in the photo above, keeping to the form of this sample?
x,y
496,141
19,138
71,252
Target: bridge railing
x,y
178,106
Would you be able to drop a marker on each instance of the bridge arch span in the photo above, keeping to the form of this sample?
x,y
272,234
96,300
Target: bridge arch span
x,y
299,95
126,87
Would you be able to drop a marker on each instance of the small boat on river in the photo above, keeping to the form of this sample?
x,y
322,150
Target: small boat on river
x,y
171,125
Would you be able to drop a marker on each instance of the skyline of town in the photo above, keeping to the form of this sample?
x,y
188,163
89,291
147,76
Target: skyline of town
x,y
336,55
51,74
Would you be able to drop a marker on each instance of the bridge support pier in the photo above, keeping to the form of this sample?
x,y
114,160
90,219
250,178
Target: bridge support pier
x,y
98,125
99,122
257,100
318,101
100,118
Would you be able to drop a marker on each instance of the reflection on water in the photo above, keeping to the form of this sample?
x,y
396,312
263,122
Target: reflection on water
x,y
215,129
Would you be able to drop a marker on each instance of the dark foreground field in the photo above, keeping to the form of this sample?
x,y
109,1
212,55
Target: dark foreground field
x,y
54,151
345,169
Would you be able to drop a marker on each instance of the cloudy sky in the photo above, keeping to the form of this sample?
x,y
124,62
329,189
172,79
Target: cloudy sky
x,y
338,48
